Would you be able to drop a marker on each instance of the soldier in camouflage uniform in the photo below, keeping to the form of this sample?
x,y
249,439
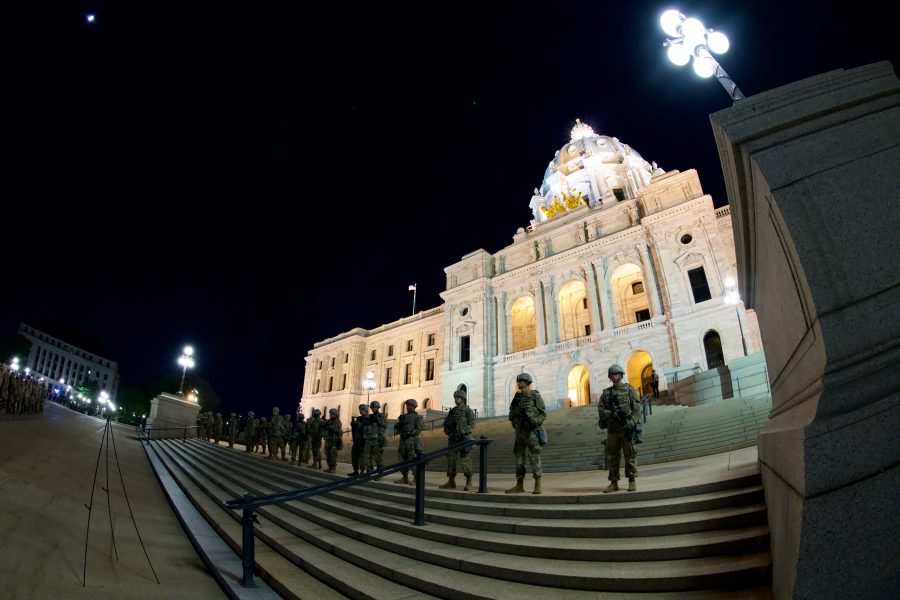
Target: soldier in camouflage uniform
x,y
458,426
408,426
232,429
527,413
262,436
287,428
333,431
374,431
218,425
276,434
303,448
315,428
250,432
358,437
298,427
620,411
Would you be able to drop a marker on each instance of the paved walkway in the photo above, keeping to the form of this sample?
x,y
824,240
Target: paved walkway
x,y
47,466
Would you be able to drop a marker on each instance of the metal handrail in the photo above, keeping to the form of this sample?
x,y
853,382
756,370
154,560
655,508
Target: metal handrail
x,y
248,503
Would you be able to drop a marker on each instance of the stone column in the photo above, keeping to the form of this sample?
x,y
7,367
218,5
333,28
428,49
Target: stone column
x,y
593,297
553,314
539,313
503,324
603,280
812,171
650,278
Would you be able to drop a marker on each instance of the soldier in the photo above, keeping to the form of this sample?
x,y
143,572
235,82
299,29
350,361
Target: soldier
x,y
458,426
357,435
262,436
232,429
527,413
293,437
620,411
409,426
217,428
250,432
314,428
374,431
276,433
287,428
333,431
302,439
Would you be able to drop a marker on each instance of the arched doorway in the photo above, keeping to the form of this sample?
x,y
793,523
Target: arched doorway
x,y
639,363
578,386
712,345
523,324
426,404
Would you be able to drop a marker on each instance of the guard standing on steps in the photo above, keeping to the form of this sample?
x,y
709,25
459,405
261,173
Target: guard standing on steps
x,y
374,430
620,411
409,425
232,429
358,437
458,426
250,432
315,429
333,430
527,413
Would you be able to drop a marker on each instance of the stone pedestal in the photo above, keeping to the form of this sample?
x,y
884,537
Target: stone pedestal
x,y
171,410
813,177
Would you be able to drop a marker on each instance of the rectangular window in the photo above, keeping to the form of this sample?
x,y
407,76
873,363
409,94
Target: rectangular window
x,y
619,194
318,381
587,330
346,358
464,348
699,286
330,383
372,355
642,315
332,362
320,364
390,350
344,382
431,339
584,303
387,376
429,369
409,345
407,374
637,287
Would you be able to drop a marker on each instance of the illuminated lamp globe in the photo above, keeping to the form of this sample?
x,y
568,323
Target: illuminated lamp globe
x,y
678,54
693,28
188,350
670,22
718,42
704,66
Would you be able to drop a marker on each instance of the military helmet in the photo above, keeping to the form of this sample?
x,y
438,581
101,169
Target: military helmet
x,y
300,416
364,408
275,410
375,404
460,394
615,369
251,414
233,414
524,377
317,413
333,411
412,402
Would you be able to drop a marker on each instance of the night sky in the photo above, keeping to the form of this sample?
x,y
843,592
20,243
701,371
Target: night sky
x,y
251,179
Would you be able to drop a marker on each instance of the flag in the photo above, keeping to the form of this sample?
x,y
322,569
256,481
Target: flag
x,y
412,288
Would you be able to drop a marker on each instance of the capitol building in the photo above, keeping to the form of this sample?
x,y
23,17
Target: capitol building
x,y
623,262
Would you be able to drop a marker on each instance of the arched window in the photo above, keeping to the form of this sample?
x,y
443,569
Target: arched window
x,y
524,324
712,345
574,318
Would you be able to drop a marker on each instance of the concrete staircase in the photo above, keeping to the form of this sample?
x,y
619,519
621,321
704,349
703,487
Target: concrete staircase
x,y
708,540
576,441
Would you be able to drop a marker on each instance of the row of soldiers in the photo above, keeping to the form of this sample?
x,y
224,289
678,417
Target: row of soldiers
x,y
20,394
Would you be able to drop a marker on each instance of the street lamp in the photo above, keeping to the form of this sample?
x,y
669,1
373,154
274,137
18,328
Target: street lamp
x,y
14,363
186,360
369,384
689,38
733,297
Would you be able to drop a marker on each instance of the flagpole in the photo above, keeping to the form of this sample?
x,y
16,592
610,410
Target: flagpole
x,y
415,289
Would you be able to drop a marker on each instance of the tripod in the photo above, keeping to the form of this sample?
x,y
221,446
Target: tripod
x,y
107,436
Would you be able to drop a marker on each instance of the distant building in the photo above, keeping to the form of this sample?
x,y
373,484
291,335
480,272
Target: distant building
x,y
622,263
63,364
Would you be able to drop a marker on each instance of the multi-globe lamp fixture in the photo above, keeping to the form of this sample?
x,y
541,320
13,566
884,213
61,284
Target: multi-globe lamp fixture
x,y
690,39
186,360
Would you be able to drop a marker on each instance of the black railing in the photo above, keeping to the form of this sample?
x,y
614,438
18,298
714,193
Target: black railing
x,y
248,503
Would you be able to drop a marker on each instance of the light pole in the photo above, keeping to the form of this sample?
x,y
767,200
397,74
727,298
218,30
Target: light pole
x,y
187,362
732,297
689,38
369,384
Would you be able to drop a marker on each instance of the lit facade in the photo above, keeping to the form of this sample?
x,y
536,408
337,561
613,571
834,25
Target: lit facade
x,y
622,263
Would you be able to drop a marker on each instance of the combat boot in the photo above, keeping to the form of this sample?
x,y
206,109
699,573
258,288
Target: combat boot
x,y
353,474
612,487
404,479
537,486
632,486
450,485
293,462
469,487
518,488
330,470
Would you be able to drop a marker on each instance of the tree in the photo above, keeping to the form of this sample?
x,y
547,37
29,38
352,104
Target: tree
x,y
14,344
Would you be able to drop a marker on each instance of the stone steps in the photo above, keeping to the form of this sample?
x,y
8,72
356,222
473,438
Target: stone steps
x,y
499,546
